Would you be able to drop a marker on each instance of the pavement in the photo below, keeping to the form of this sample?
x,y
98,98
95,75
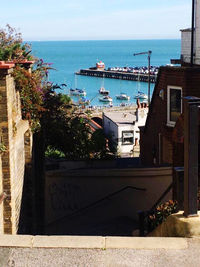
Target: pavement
x,y
61,251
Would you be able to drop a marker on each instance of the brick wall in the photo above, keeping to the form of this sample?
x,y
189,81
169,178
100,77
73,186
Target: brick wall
x,y
1,206
156,137
16,136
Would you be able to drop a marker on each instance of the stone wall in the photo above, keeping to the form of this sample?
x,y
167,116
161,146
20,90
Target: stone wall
x,y
16,136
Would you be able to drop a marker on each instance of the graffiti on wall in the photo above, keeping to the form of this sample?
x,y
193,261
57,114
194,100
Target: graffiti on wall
x,y
65,196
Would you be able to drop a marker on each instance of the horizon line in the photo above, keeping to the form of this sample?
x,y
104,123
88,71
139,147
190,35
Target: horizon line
x,y
74,40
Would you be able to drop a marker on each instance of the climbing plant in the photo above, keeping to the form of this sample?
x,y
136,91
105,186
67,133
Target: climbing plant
x,y
32,87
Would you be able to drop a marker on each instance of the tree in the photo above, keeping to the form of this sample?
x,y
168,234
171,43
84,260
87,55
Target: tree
x,y
65,130
101,145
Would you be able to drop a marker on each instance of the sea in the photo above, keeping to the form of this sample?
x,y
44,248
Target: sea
x,y
67,57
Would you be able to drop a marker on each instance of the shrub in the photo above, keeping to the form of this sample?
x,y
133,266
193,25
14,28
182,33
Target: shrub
x,y
160,214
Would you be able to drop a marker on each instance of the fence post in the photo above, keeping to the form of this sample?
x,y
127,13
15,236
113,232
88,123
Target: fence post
x,y
141,215
191,124
179,186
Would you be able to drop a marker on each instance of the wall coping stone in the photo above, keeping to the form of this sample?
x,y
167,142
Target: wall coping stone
x,y
93,242
6,65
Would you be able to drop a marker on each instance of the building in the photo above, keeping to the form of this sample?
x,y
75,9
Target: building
x,y
186,39
123,129
156,140
159,142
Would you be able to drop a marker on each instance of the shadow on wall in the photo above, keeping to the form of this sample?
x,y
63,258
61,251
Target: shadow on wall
x,y
96,201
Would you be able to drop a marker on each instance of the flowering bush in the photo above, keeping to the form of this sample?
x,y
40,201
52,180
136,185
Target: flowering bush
x,y
32,87
160,214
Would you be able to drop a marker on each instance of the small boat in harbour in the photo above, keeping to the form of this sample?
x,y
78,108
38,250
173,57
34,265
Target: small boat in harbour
x,y
123,96
77,92
103,91
141,95
106,99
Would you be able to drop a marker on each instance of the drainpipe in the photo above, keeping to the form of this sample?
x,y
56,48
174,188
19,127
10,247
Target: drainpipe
x,y
192,33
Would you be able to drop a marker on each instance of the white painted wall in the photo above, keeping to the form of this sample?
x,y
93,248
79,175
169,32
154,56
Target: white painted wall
x,y
116,131
110,128
121,147
197,39
186,45
186,39
141,116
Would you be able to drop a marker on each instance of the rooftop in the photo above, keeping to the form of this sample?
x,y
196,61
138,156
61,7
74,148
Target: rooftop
x,y
186,30
121,118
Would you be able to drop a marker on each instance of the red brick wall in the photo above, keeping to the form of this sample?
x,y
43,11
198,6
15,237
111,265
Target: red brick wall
x,y
189,79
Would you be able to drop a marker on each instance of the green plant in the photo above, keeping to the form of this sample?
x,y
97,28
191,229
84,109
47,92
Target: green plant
x,y
160,214
31,88
66,131
3,148
53,153
11,46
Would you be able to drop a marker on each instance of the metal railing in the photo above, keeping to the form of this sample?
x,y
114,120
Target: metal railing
x,y
143,229
93,204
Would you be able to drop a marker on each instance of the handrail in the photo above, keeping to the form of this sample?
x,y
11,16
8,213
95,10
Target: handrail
x,y
101,200
162,196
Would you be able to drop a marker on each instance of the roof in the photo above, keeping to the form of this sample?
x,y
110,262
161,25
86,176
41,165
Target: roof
x,y
121,118
186,30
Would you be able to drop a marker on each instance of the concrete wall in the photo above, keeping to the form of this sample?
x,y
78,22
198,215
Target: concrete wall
x,y
12,131
67,191
116,131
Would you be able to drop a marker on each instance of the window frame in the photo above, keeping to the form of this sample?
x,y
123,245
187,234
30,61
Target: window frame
x,y
127,131
169,87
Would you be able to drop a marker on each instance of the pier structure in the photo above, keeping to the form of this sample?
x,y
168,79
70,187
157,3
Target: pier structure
x,y
118,75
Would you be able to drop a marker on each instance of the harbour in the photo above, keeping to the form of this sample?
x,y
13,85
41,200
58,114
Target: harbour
x,y
71,57
117,75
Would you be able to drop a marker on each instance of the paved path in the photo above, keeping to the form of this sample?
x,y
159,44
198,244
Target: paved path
x,y
60,257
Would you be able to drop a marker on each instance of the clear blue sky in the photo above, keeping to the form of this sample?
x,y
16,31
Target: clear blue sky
x,y
93,20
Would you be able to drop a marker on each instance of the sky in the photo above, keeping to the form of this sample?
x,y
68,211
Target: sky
x,y
96,20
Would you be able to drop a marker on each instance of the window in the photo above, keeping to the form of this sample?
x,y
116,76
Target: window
x,y
127,137
174,104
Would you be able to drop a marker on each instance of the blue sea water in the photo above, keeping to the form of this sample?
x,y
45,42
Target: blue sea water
x,y
70,56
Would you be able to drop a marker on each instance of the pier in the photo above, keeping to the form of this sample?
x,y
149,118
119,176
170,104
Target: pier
x,y
117,75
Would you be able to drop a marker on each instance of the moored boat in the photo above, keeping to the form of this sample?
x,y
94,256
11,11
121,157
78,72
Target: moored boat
x,y
141,95
77,92
106,99
123,96
103,91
